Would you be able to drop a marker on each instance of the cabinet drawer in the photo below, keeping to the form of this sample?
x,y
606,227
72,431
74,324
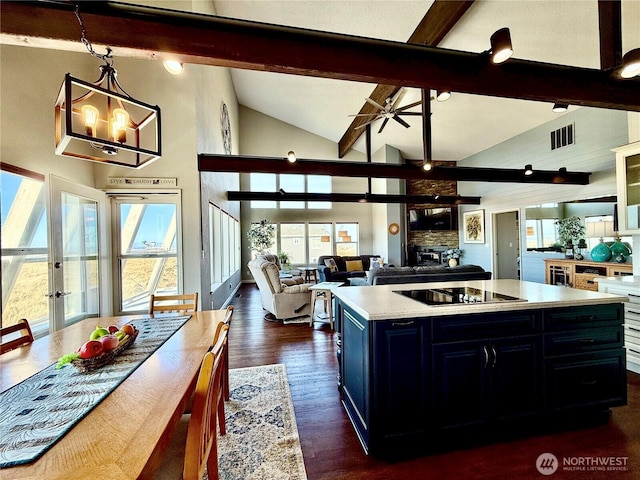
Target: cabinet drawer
x,y
586,381
473,327
583,317
585,281
583,340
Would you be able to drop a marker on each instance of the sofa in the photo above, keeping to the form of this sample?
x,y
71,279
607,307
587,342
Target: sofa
x,y
282,301
343,270
424,274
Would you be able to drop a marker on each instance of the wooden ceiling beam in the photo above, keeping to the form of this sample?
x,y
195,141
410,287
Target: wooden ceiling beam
x,y
610,23
437,22
409,171
351,198
211,40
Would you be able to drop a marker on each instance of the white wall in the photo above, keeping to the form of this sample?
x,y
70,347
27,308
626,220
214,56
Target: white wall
x,y
596,132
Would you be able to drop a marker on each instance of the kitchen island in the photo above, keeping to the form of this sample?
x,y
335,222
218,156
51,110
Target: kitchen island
x,y
425,362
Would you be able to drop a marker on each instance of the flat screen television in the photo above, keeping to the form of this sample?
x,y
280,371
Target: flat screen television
x,y
442,218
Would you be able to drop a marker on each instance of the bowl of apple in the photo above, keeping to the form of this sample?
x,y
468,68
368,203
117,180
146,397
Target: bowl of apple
x,y
104,344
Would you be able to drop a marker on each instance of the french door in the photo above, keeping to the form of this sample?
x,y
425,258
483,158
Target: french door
x,y
78,253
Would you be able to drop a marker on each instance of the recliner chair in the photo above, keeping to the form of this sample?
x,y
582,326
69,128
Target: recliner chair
x,y
282,301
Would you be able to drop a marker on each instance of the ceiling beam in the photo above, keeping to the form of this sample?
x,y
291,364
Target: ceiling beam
x,y
610,23
413,171
437,22
352,197
210,40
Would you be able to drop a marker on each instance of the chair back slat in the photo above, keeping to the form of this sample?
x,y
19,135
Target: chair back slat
x,y
173,303
11,341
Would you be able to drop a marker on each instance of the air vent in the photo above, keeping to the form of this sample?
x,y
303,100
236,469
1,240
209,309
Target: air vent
x,y
563,136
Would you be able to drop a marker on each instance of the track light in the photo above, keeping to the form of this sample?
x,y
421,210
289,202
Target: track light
x,y
174,67
427,165
291,157
443,95
436,196
528,169
631,64
560,107
282,192
501,48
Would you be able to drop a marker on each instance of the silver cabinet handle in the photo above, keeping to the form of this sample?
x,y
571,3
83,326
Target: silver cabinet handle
x,y
402,324
486,355
495,356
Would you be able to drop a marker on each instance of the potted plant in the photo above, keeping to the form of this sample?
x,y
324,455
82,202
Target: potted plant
x,y
261,236
283,257
452,255
570,229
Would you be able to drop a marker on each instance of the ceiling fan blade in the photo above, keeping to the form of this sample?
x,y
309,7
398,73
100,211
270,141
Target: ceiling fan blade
x,y
383,125
399,97
374,103
364,115
367,123
400,121
407,107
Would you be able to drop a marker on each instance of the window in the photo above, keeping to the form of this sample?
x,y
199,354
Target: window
x,y
293,241
542,233
273,238
290,183
147,249
346,239
319,184
263,182
320,241
224,237
25,271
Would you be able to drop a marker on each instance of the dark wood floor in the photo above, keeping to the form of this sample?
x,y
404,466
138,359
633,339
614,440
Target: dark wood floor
x,y
329,444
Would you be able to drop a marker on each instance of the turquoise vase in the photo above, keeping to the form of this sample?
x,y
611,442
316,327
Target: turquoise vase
x,y
601,253
619,248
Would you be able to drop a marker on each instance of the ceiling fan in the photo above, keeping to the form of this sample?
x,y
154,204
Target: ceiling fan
x,y
390,110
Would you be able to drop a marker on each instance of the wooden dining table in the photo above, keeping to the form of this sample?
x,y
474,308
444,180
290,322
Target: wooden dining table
x,y
125,435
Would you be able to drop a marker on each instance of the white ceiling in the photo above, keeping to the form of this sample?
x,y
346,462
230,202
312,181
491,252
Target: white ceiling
x,y
554,31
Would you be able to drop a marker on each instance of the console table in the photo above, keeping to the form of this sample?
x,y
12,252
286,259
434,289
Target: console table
x,y
582,273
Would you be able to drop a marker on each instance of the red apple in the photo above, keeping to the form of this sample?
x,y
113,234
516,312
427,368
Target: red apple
x,y
109,342
91,349
113,328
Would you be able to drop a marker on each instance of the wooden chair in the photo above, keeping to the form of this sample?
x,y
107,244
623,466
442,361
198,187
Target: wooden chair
x,y
195,446
179,303
225,369
9,341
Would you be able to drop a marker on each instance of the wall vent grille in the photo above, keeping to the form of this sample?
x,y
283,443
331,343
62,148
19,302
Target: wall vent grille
x,y
563,136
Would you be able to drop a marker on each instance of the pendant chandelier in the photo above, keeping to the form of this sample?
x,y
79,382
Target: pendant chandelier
x,y
101,122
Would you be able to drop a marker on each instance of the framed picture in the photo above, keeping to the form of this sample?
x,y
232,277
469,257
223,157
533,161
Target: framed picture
x,y
474,226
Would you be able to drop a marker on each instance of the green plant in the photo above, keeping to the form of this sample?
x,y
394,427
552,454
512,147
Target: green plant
x,y
261,237
284,259
570,229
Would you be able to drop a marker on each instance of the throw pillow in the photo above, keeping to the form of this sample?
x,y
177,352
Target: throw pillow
x,y
331,263
373,262
354,265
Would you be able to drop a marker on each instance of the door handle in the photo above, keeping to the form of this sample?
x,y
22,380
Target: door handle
x,y
61,294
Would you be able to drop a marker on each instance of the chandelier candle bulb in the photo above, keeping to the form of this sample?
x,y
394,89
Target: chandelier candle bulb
x,y
91,115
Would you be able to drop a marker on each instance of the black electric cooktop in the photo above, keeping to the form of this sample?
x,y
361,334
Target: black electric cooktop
x,y
457,296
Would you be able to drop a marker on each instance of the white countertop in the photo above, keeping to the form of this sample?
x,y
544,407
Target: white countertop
x,y
623,280
378,302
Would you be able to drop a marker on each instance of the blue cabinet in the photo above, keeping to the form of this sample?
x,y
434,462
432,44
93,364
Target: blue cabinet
x,y
406,382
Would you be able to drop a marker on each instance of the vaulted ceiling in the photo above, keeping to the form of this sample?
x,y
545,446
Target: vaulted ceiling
x,y
557,32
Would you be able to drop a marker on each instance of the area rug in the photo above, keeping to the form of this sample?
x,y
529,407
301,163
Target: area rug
x,y
262,439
